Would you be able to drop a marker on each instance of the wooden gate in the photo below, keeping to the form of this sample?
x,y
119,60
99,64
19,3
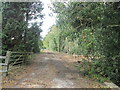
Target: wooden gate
x,y
13,58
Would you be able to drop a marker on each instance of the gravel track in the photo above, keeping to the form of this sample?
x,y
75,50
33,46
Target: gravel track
x,y
49,70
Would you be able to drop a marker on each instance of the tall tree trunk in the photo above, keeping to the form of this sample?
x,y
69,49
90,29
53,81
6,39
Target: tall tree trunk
x,y
26,17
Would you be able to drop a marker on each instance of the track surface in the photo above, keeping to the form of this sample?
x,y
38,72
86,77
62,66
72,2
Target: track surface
x,y
49,70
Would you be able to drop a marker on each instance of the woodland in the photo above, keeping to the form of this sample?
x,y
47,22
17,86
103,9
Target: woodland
x,y
18,34
82,28
92,30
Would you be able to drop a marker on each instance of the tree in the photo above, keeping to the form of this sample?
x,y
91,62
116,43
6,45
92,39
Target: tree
x,y
92,30
16,31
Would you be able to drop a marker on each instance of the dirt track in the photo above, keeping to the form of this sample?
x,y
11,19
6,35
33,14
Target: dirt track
x,y
49,70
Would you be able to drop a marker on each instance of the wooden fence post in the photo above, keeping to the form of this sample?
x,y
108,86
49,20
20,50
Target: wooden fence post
x,y
7,61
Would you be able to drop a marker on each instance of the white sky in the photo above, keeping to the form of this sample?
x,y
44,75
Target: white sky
x,y
48,20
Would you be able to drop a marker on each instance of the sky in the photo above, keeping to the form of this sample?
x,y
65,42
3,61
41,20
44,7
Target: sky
x,y
48,21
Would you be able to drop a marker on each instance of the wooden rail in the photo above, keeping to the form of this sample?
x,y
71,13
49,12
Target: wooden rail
x,y
13,58
4,64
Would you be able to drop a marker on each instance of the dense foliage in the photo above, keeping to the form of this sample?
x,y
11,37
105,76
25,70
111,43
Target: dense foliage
x,y
92,30
18,34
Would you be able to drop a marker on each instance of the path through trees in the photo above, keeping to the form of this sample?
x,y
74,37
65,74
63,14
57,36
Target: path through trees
x,y
50,70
